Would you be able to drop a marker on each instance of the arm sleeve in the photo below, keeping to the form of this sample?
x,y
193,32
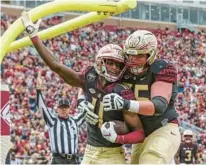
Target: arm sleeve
x,y
168,74
131,138
47,115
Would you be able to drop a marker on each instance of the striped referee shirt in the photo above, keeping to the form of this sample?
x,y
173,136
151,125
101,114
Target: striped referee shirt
x,y
63,133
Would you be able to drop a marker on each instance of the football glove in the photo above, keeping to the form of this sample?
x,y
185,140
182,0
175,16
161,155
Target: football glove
x,y
113,101
91,117
30,27
108,131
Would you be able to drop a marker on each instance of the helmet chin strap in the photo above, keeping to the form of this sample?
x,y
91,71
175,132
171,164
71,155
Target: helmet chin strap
x,y
102,79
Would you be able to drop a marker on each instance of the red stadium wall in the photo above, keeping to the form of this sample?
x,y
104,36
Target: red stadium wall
x,y
5,123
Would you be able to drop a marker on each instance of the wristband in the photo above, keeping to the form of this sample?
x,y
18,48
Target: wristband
x,y
35,39
134,106
131,138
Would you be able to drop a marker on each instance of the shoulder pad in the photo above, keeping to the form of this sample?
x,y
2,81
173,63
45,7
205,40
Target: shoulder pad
x,y
91,74
85,70
158,65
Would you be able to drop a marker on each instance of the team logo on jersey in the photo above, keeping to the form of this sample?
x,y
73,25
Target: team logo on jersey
x,y
92,91
141,79
164,122
126,76
91,77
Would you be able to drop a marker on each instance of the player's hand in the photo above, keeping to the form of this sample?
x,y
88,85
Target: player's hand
x,y
108,131
91,117
30,27
113,101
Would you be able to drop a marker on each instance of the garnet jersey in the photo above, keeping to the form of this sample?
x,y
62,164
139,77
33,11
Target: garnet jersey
x,y
94,94
160,70
187,153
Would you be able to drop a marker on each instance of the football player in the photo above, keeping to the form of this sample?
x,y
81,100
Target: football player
x,y
187,153
154,83
96,81
103,141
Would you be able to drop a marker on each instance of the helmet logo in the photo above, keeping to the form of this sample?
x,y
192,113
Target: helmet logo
x,y
133,41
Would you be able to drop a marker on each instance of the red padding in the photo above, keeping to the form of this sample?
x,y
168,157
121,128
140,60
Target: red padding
x,y
35,39
131,138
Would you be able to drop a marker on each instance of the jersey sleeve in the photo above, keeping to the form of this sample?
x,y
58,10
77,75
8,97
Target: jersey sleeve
x,y
168,74
127,94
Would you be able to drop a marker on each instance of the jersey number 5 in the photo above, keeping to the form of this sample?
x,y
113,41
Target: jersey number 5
x,y
137,89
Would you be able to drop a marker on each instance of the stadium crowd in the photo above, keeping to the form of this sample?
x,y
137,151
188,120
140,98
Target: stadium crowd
x,y
77,50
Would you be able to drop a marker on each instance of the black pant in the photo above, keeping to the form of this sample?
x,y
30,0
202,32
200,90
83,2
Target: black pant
x,y
8,158
62,160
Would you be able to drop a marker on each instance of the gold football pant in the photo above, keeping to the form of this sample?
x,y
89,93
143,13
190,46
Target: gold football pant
x,y
103,155
159,147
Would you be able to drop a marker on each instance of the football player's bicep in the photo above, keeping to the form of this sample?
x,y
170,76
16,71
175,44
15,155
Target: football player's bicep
x,y
164,81
163,89
132,120
70,76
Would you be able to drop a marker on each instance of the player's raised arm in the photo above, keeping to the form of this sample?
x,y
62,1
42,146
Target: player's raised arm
x,y
71,77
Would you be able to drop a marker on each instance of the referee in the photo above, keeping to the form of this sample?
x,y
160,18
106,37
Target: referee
x,y
63,129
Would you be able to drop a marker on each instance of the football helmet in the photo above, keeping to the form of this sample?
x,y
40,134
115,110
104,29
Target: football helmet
x,y
141,42
188,136
114,53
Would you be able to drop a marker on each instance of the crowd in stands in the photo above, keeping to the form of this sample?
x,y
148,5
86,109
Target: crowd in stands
x,y
77,50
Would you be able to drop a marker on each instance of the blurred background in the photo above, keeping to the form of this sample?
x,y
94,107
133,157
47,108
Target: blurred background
x,y
180,27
